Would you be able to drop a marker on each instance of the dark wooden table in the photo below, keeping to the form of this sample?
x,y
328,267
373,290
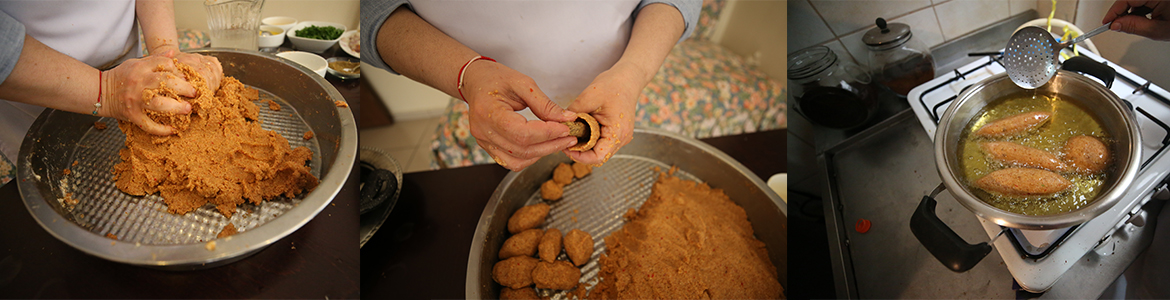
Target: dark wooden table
x,y
320,260
421,251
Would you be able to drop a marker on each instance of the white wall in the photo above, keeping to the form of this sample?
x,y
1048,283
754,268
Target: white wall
x,y
753,30
1145,57
192,14
407,99
841,24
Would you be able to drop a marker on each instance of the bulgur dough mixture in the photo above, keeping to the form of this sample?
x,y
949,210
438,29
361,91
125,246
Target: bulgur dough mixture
x,y
684,221
218,154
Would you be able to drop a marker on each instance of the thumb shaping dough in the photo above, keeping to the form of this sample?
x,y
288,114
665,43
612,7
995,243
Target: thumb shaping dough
x,y
586,130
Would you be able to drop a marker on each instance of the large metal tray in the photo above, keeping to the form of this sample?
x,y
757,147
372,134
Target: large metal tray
x,y
595,203
146,233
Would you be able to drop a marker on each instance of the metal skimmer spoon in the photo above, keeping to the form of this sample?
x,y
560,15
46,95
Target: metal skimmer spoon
x,y
1031,57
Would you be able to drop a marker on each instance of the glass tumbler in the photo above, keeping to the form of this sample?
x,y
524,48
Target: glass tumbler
x,y
234,23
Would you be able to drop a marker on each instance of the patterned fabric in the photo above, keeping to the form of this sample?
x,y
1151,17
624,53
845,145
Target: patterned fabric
x,y
7,170
707,19
703,90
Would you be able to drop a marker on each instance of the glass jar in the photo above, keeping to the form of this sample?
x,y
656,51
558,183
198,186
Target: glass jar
x,y
830,92
896,59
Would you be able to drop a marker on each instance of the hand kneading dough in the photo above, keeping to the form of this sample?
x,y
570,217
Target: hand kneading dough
x,y
558,275
514,272
527,217
218,154
579,246
521,244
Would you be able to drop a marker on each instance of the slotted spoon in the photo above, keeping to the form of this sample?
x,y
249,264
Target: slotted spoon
x,y
1032,54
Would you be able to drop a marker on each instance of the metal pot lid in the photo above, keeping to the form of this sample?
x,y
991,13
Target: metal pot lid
x,y
886,35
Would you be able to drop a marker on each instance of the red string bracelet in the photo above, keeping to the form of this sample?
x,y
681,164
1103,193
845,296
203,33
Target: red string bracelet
x,y
459,84
98,105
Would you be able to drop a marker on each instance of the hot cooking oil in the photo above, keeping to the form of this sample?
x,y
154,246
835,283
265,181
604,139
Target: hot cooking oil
x,y
1067,120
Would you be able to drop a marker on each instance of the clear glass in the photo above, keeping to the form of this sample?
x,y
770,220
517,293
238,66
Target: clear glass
x,y
903,67
234,23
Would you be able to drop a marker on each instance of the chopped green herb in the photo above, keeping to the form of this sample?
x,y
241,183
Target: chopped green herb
x,y
320,33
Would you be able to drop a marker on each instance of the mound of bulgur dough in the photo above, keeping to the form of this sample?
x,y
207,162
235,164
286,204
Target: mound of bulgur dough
x,y
218,154
685,221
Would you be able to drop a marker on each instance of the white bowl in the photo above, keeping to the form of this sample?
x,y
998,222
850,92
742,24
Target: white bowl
x,y
283,22
313,45
273,40
309,60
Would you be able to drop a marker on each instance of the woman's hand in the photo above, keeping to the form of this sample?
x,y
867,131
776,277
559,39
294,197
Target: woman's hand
x,y
207,66
611,98
124,88
494,93
1156,27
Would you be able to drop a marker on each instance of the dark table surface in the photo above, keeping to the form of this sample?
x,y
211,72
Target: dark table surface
x,y
319,260
421,251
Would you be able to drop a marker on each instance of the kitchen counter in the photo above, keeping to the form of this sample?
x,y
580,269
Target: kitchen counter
x,y
421,251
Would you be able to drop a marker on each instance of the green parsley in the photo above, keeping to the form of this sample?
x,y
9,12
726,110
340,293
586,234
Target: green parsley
x,y
327,33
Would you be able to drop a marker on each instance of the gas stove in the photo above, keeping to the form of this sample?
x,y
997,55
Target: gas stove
x,y
1038,259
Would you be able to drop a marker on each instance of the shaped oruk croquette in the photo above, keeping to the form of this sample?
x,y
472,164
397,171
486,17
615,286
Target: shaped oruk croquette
x,y
1023,182
1014,125
587,131
527,217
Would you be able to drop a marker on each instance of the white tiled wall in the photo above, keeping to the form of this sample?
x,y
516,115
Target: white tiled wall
x,y
840,24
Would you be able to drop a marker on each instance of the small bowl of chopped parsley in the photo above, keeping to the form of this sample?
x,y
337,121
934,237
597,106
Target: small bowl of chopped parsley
x,y
315,36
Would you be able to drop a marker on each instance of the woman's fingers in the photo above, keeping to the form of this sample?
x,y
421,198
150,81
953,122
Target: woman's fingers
x,y
168,105
180,86
149,125
543,107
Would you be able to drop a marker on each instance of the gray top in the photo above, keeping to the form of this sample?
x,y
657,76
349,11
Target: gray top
x,y
374,13
11,42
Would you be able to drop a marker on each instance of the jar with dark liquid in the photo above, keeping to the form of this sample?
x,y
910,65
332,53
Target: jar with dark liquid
x,y
830,92
896,59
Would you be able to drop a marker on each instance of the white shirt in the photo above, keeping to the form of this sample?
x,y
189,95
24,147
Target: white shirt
x,y
576,40
98,33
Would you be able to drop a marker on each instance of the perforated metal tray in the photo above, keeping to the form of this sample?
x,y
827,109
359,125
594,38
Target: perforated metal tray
x,y
146,234
596,203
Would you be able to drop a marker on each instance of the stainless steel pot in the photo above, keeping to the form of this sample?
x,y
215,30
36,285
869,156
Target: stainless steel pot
x,y
1115,116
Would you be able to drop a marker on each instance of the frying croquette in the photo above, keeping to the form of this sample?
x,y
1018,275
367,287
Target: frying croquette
x,y
558,275
514,272
521,244
551,190
527,217
579,246
550,245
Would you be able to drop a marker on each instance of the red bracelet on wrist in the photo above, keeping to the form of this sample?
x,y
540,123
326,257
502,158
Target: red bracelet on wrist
x,y
98,105
459,84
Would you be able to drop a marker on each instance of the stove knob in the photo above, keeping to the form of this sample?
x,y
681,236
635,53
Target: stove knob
x,y
1138,219
1161,193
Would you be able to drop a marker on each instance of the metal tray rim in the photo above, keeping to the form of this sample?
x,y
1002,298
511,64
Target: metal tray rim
x,y
471,283
237,246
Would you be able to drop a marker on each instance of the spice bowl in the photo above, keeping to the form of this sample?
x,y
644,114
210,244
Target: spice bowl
x,y
340,67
